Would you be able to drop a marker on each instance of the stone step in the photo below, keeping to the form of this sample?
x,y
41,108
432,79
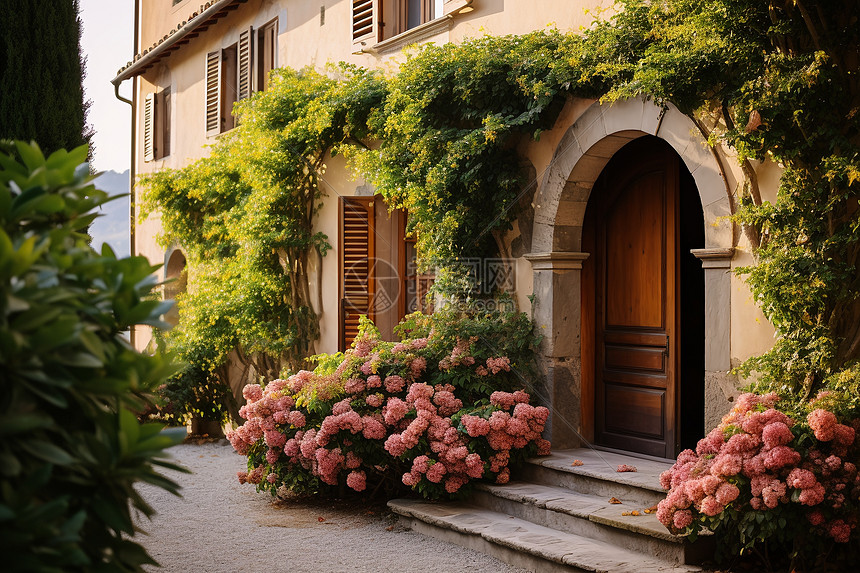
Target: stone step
x,y
598,475
591,516
522,543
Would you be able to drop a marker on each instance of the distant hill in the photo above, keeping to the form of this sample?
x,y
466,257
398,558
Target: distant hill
x,y
112,226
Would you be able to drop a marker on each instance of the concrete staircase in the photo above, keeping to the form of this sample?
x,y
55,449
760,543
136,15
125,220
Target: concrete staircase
x,y
557,517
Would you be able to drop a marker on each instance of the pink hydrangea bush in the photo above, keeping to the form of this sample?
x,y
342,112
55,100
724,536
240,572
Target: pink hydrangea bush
x,y
762,476
421,413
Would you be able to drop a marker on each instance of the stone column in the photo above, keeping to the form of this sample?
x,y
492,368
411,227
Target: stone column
x,y
558,299
719,385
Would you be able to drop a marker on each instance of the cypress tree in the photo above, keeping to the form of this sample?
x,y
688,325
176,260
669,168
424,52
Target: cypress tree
x,y
41,74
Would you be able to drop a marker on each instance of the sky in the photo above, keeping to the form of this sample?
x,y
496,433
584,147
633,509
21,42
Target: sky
x,y
107,42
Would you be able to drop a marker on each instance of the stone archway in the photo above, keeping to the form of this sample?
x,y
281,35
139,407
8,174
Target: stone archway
x,y
556,256
176,279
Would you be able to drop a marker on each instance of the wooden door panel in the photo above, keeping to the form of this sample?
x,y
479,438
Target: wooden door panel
x,y
636,379
635,411
635,262
635,337
635,301
634,358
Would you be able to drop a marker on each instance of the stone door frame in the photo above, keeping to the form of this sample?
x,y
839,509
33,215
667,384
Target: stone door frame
x,y
556,256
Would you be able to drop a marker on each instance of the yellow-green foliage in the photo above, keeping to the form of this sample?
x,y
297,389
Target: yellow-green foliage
x,y
245,217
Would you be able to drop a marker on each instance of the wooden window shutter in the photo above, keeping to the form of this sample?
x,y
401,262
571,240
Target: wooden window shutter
x,y
357,285
149,127
162,124
246,61
362,19
213,104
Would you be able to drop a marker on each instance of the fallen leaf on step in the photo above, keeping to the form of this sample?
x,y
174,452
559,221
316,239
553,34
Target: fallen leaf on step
x,y
652,509
321,519
634,512
614,500
626,468
576,463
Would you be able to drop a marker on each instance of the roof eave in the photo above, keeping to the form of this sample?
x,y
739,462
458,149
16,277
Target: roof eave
x,y
173,40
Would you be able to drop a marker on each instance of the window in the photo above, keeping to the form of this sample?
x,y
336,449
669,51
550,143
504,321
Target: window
x,y
412,13
156,125
267,44
235,72
378,20
229,87
222,89
378,274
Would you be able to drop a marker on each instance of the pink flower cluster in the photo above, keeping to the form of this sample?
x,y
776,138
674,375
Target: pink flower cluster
x,y
496,365
382,413
750,461
459,355
265,409
409,345
449,460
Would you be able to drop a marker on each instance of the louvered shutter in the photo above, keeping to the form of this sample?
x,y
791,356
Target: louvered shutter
x,y
362,19
213,105
149,127
427,11
357,254
246,59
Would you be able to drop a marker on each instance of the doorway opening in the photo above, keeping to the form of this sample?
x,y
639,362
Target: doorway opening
x,y
643,303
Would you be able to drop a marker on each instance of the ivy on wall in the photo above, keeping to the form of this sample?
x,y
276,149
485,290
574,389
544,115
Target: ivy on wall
x,y
774,80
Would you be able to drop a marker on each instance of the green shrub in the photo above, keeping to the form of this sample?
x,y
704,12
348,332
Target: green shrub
x,y
193,393
71,449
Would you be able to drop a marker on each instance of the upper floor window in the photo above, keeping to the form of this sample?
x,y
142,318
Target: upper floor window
x,y
267,52
156,125
235,72
412,13
377,20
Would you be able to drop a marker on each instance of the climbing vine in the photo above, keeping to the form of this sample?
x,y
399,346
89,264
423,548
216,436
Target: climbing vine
x,y
245,217
775,81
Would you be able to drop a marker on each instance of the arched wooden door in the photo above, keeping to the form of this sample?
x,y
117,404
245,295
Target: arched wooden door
x,y
634,234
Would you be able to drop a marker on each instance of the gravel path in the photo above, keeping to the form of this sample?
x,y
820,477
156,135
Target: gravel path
x,y
221,526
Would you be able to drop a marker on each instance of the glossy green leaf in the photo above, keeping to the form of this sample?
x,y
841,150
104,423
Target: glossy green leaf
x,y
49,452
30,154
17,423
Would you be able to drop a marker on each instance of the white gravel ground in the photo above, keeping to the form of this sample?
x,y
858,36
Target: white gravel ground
x,y
221,526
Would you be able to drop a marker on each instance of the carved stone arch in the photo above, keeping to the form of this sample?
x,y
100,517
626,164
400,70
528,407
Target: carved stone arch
x,y
556,256
588,145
